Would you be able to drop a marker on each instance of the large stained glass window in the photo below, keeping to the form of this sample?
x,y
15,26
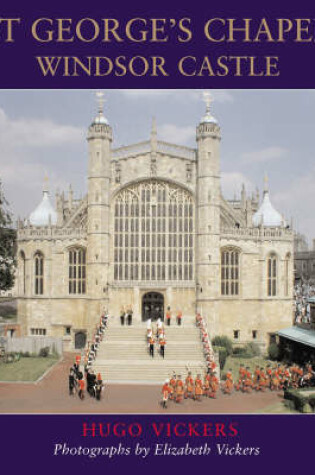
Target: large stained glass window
x,y
154,233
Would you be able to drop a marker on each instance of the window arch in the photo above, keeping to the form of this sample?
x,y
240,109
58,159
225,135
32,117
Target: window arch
x,y
154,233
39,273
77,270
22,270
287,274
230,271
272,271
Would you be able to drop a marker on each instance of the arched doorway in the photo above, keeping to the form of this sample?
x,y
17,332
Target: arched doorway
x,y
79,340
152,306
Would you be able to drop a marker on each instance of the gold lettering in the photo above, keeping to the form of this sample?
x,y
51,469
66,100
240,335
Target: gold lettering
x,y
207,30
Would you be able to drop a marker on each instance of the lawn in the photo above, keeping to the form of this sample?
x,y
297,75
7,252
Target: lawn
x,y
234,364
27,369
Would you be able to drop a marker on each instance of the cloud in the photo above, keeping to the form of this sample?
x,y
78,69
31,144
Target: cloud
x,y
33,132
297,200
30,148
176,134
231,183
264,155
219,95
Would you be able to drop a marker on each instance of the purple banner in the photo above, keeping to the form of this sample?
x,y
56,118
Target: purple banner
x,y
105,46
142,443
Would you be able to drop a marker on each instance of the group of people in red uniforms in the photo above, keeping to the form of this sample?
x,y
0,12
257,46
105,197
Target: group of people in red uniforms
x,y
177,389
205,340
273,378
94,383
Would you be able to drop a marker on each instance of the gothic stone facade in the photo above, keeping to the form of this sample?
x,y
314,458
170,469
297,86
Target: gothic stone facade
x,y
154,220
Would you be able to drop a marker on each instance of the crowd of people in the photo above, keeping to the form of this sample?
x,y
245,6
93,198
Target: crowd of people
x,y
273,378
302,294
156,336
92,382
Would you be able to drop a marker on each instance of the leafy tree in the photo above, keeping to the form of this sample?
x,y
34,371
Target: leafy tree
x,y
223,341
273,351
7,245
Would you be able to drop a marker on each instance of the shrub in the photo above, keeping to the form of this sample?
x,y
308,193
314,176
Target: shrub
x,y
253,349
224,342
239,350
302,402
222,355
44,352
273,351
25,354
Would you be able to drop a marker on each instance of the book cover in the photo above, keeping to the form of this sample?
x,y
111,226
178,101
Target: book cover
x,y
157,268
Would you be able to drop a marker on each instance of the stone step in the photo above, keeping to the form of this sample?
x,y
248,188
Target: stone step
x,y
123,354
142,374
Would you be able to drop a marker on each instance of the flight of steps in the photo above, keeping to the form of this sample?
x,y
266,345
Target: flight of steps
x,y
123,354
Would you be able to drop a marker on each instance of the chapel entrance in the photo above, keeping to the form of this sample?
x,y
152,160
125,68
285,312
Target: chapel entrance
x,y
152,306
79,340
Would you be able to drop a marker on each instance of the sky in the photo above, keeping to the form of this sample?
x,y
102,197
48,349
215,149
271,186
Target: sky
x,y
263,132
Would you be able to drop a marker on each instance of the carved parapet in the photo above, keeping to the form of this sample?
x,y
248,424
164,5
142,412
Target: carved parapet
x,y
131,150
176,150
50,233
262,234
162,147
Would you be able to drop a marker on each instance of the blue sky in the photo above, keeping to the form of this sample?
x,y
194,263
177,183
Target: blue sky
x,y
263,131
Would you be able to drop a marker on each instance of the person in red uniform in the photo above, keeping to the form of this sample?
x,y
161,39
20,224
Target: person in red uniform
x,y
263,381
275,380
81,388
198,388
168,316
166,392
206,385
269,375
248,383
151,346
162,343
228,384
256,378
179,389
214,385
189,386
173,386
179,317
241,378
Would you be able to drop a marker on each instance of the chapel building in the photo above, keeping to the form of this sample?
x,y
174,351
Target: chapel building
x,y
155,232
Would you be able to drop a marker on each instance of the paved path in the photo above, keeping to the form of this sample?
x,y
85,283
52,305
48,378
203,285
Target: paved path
x,y
50,395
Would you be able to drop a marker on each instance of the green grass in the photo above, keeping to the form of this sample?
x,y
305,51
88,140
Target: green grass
x,y
234,364
27,369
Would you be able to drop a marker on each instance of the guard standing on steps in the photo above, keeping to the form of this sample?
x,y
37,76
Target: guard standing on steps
x,y
162,343
151,346
129,317
122,316
179,317
168,316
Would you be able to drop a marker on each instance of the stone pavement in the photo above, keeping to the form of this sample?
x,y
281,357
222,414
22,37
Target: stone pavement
x,y
51,395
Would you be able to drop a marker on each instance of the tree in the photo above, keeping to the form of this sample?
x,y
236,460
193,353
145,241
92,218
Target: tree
x,y
7,245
